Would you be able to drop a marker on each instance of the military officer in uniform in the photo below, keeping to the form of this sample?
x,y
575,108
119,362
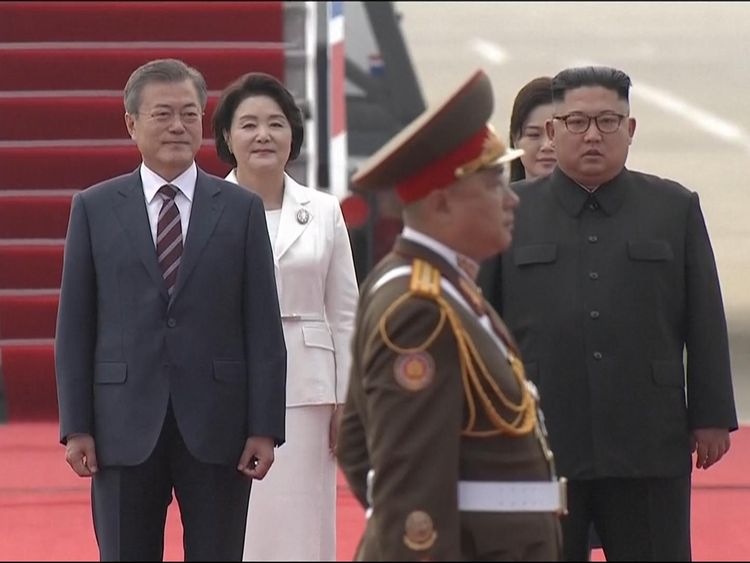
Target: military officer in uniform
x,y
442,439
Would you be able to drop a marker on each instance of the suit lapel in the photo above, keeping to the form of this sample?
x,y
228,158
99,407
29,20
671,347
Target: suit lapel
x,y
204,214
130,209
296,215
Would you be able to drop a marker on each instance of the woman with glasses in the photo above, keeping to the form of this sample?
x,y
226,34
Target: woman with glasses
x,y
258,129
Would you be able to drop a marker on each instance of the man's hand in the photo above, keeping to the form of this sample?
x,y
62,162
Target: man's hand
x,y
333,430
80,454
710,445
257,457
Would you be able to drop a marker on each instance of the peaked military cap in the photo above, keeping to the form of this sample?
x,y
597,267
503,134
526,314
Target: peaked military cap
x,y
444,143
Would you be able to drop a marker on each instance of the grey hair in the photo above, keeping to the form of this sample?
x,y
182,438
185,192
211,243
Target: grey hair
x,y
161,70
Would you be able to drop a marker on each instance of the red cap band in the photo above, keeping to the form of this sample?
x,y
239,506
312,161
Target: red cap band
x,y
441,171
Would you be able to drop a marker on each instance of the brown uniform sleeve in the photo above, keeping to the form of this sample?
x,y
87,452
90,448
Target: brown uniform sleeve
x,y
413,401
352,445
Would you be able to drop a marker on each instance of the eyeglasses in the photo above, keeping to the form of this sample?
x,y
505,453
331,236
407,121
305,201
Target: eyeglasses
x,y
164,116
579,123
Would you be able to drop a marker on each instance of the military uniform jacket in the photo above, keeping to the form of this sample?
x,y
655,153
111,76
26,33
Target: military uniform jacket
x,y
404,417
604,293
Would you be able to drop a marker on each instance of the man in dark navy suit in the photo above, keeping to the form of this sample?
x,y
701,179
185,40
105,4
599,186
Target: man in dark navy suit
x,y
170,357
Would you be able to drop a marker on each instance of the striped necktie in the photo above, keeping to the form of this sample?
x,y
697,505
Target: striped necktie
x,y
169,236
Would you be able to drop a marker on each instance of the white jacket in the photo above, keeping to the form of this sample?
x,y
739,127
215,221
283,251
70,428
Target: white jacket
x,y
318,294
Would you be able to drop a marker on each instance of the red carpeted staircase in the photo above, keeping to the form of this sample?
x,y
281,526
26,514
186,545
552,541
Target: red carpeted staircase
x,y
63,66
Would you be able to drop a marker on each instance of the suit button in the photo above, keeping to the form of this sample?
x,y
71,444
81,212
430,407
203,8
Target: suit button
x,y
597,355
593,238
593,275
171,323
594,314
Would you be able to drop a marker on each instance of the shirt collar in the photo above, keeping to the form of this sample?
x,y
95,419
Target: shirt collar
x,y
448,254
152,182
574,198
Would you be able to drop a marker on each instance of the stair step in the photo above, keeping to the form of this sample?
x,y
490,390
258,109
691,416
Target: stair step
x,y
141,21
31,266
29,385
79,167
34,216
109,69
28,316
84,118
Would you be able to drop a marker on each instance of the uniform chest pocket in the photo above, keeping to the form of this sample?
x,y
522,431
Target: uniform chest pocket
x,y
650,250
535,254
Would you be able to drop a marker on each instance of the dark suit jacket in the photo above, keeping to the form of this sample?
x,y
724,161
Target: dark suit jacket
x,y
412,438
123,349
603,297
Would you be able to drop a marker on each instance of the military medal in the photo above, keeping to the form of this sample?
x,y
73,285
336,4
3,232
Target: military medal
x,y
303,216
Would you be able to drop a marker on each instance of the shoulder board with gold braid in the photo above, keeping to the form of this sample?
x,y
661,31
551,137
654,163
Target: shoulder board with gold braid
x,y
424,282
479,385
425,279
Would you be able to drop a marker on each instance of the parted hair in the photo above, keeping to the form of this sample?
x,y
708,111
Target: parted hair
x,y
246,86
604,76
535,93
161,70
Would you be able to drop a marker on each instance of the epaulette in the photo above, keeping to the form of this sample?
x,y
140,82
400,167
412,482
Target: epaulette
x,y
425,279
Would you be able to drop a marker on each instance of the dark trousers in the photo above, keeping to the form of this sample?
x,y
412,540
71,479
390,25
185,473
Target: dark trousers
x,y
636,519
130,505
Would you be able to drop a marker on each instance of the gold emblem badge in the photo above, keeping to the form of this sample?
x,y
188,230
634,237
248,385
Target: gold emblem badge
x,y
420,531
414,371
303,216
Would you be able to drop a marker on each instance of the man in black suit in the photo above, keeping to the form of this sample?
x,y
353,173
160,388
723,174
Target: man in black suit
x,y
170,358
610,277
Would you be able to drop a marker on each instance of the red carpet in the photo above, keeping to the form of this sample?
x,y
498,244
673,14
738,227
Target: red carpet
x,y
109,68
86,118
64,65
151,21
45,513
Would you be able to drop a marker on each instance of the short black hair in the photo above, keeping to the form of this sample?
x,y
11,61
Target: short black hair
x,y
535,93
607,77
246,86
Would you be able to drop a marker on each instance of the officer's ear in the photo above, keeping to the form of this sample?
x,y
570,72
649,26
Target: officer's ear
x,y
439,202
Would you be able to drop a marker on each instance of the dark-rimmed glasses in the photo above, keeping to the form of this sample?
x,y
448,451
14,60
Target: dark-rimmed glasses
x,y
578,123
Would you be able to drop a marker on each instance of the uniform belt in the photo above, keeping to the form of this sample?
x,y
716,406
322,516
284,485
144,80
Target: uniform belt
x,y
513,496
502,496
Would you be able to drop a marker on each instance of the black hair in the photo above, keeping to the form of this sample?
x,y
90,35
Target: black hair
x,y
255,84
607,77
537,92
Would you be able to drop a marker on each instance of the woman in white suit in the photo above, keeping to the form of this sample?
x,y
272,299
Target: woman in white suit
x,y
258,129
